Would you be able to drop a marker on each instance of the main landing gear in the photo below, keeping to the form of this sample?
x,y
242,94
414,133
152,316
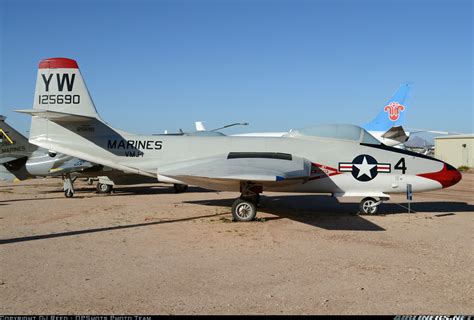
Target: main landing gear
x,y
104,185
244,209
369,206
68,185
104,188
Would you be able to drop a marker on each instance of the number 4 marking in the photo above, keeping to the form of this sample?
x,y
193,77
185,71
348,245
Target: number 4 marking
x,y
401,165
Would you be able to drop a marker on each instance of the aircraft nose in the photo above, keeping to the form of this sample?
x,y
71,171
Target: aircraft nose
x,y
456,176
447,177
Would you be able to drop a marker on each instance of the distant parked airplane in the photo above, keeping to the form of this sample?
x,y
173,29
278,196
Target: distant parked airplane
x,y
385,127
22,160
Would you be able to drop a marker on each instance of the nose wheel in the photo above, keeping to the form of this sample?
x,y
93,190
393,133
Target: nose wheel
x,y
369,206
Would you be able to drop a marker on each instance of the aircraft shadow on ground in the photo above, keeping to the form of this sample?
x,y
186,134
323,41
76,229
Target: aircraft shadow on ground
x,y
22,185
131,190
126,190
324,203
306,210
104,229
82,193
328,213
315,210
30,199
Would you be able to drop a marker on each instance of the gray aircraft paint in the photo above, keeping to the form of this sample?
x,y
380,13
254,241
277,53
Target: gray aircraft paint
x,y
76,129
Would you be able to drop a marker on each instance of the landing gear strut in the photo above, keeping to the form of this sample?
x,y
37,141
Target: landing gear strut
x,y
245,208
68,185
369,206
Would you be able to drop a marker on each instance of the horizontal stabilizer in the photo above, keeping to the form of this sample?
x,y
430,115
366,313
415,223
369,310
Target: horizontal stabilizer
x,y
56,116
434,131
7,159
17,168
396,133
13,145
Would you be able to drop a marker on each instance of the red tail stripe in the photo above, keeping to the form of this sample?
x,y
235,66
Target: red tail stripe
x,y
58,63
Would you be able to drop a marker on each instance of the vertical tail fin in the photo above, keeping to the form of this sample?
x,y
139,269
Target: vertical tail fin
x,y
13,144
61,88
393,112
65,119
200,126
14,151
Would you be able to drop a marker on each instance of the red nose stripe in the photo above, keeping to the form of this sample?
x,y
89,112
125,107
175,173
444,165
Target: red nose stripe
x,y
58,63
446,177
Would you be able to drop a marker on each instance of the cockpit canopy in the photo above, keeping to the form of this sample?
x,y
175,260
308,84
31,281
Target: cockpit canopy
x,y
336,131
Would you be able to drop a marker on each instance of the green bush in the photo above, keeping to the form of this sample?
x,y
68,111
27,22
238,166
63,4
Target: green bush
x,y
463,168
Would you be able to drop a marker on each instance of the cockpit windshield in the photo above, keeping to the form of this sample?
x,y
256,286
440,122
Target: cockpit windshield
x,y
337,131
368,138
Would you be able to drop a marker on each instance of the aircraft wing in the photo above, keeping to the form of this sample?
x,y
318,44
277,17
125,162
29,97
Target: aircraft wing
x,y
263,168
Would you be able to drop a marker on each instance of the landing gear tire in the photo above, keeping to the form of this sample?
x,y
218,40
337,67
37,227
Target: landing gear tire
x,y
243,210
368,206
180,188
68,185
90,181
104,188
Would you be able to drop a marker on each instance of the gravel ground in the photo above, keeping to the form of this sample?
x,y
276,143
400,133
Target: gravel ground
x,y
147,250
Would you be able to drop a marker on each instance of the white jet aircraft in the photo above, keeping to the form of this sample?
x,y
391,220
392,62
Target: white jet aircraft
x,y
342,160
387,126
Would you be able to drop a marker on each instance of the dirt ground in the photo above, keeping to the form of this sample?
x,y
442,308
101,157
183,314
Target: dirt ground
x,y
147,250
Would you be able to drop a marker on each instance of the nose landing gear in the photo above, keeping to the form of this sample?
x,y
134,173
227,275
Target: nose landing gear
x,y
369,206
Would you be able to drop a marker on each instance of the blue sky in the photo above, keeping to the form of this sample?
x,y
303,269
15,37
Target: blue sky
x,y
156,65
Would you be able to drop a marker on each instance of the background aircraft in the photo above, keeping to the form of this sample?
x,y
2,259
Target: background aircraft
x,y
22,160
387,126
343,160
